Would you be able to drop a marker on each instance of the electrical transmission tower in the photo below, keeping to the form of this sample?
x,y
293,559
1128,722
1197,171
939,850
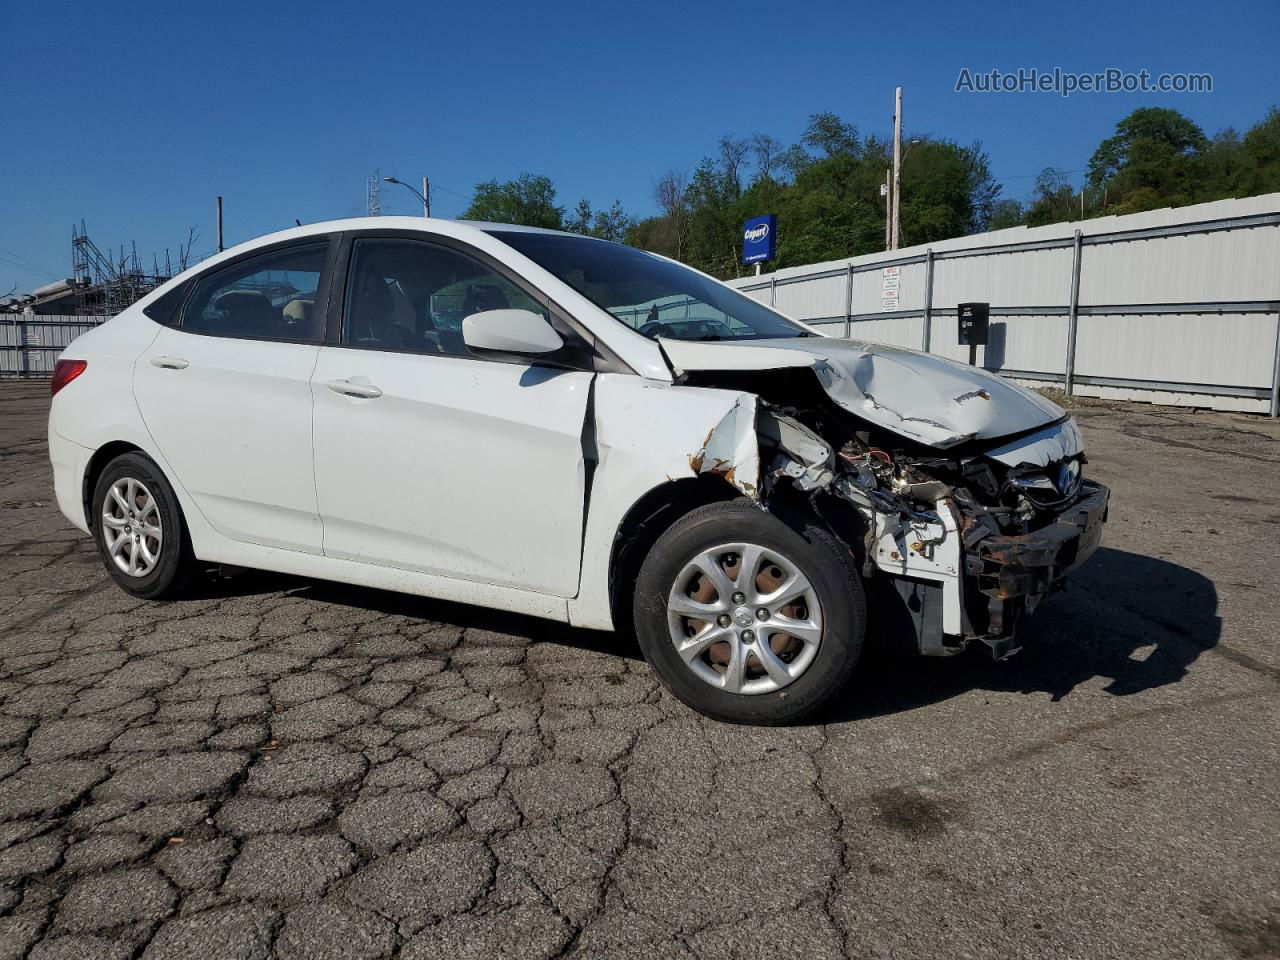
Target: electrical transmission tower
x,y
107,283
375,193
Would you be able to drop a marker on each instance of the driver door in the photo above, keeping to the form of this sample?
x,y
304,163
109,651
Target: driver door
x,y
430,459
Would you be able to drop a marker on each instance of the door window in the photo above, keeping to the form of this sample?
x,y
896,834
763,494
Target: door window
x,y
412,296
271,297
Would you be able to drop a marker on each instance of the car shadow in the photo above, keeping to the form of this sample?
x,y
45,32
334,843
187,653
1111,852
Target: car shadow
x,y
1135,620
461,615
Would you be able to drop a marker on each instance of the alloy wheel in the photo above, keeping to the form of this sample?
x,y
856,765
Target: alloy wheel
x,y
131,527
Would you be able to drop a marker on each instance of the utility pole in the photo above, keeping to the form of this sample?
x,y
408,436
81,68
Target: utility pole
x,y
887,192
897,169
219,224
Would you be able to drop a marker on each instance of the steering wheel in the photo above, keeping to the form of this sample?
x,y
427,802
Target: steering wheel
x,y
655,328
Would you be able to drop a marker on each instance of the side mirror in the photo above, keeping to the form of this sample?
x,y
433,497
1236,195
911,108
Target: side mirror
x,y
519,332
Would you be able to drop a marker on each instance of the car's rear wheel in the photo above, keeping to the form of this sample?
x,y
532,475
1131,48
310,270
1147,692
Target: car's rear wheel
x,y
748,619
139,529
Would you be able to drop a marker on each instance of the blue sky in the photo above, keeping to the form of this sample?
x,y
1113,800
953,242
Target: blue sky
x,y
134,116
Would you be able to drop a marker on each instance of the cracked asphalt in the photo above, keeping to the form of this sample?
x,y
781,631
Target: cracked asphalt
x,y
287,768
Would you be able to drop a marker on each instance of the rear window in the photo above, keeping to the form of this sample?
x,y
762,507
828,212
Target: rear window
x,y
270,297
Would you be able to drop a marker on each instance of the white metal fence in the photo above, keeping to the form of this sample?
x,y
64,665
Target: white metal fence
x,y
1176,306
30,344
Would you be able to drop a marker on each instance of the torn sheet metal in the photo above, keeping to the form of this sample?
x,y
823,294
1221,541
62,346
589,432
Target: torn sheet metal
x,y
731,449
921,396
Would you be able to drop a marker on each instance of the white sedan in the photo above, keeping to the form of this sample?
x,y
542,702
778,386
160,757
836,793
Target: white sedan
x,y
573,429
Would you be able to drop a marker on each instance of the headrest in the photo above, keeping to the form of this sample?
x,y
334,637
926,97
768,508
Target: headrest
x,y
299,311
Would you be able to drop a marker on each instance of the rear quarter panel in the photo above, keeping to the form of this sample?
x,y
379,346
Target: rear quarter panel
x,y
99,407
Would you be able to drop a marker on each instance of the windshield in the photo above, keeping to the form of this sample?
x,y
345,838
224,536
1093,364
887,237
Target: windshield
x,y
655,296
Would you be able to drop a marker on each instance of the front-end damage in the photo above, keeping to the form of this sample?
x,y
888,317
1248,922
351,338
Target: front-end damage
x,y
969,532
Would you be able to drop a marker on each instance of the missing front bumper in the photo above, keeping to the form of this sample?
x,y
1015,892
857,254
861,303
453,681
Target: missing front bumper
x,y
1007,577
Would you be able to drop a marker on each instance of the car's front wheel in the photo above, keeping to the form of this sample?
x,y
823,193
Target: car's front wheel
x,y
748,619
139,528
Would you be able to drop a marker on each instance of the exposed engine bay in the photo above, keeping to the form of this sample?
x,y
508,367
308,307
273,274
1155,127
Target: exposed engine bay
x,y
971,535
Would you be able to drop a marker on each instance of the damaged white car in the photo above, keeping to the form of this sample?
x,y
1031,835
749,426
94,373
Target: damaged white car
x,y
573,429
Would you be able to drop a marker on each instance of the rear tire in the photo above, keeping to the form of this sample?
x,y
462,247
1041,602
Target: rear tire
x,y
738,664
139,529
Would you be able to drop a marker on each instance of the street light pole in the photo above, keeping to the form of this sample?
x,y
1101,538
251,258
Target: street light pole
x,y
426,192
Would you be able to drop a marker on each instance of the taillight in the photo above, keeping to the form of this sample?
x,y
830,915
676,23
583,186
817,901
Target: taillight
x,y
64,371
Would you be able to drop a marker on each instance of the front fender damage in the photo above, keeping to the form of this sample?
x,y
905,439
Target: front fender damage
x,y
966,542
764,453
730,449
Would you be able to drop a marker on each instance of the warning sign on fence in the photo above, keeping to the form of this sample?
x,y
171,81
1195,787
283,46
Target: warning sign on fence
x,y
890,279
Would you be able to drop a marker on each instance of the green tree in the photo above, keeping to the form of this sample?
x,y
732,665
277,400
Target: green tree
x,y
1005,214
947,191
611,224
1261,148
529,200
825,191
1152,161
830,135
1054,199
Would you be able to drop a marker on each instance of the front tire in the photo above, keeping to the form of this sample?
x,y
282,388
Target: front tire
x,y
748,619
139,529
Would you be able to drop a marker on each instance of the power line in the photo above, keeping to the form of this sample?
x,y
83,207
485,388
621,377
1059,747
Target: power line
x,y
1032,176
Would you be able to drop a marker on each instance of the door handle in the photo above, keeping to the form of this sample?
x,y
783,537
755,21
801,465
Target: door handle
x,y
170,363
349,388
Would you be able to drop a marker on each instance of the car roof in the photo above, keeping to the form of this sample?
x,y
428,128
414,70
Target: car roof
x,y
460,229
428,224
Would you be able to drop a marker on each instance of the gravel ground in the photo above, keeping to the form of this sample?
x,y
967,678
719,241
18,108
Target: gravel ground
x,y
296,769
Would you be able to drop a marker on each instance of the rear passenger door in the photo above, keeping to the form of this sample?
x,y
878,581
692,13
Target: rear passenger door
x,y
430,459
225,393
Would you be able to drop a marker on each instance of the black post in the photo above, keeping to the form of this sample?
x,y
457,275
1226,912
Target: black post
x,y
971,327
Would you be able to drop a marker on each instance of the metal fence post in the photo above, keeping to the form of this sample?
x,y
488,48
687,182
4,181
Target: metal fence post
x,y
1275,374
24,360
848,301
928,298
1073,315
773,291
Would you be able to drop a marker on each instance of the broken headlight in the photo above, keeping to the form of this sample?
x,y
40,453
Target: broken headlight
x,y
1049,486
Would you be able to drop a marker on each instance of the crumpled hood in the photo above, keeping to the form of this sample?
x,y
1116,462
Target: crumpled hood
x,y
919,395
